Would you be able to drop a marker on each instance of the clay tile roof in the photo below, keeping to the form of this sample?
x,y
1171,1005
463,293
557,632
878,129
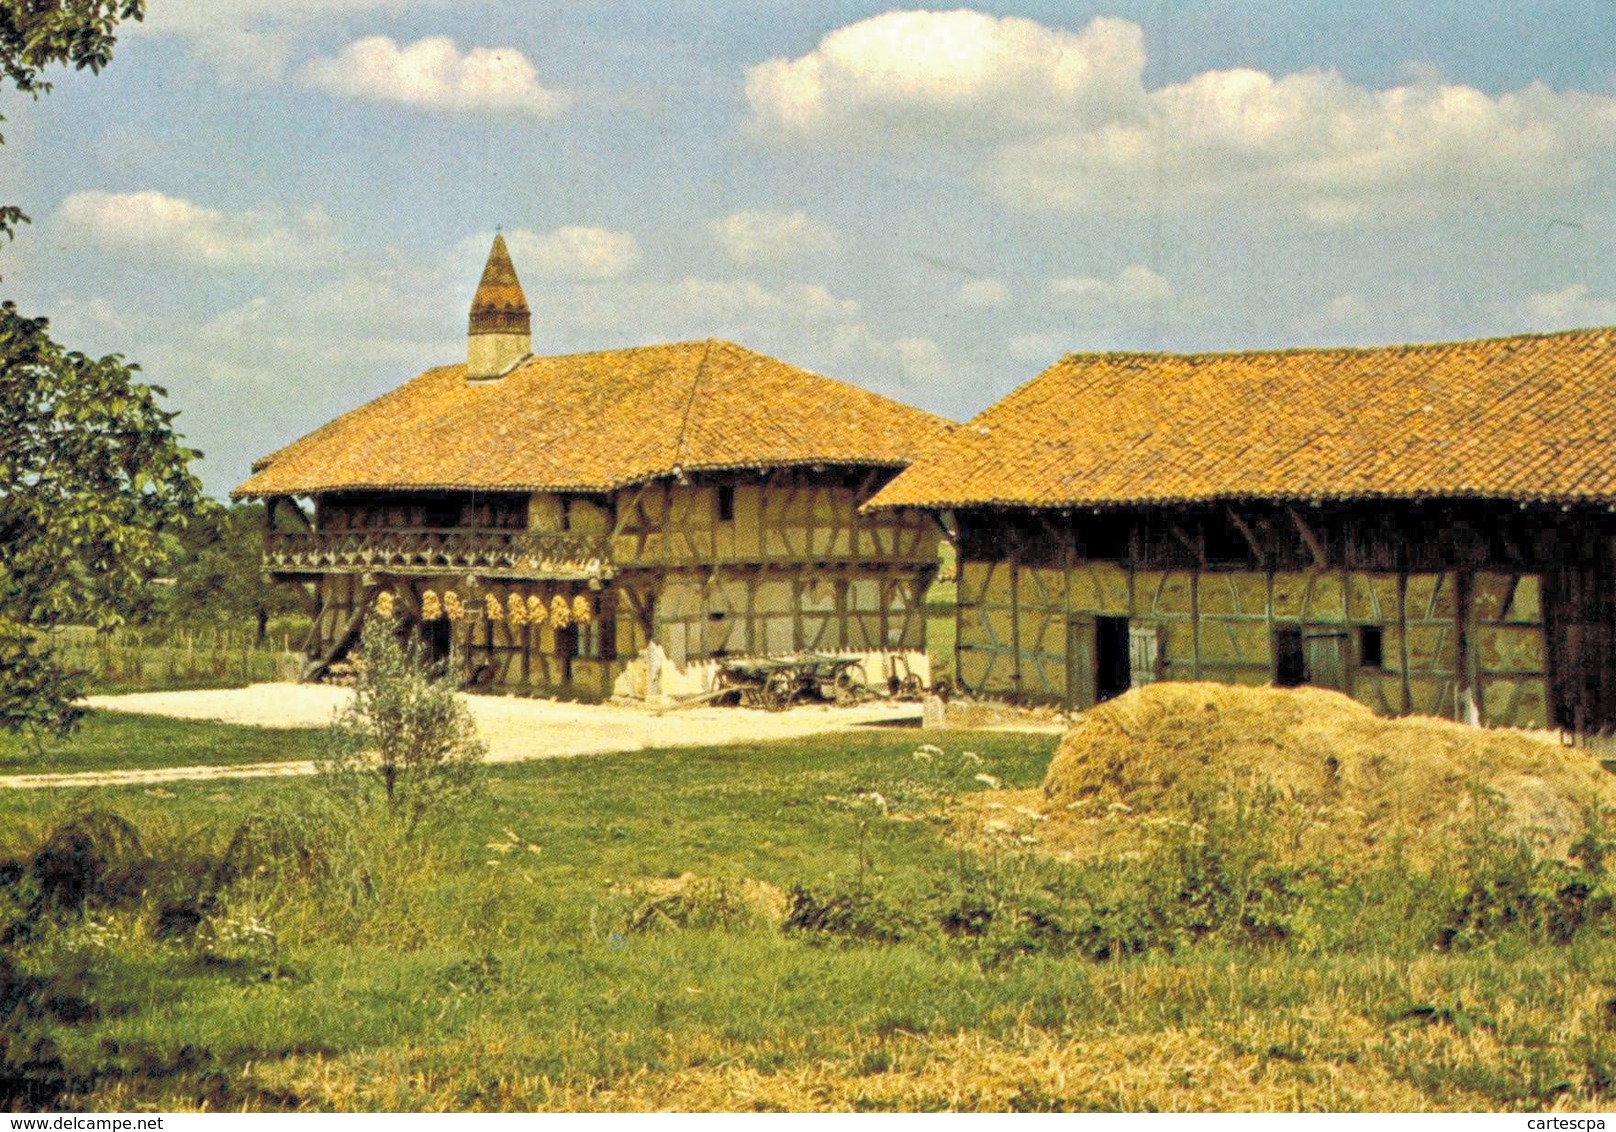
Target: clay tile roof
x,y
1527,418
596,422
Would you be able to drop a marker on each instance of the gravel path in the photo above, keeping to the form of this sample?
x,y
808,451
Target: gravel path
x,y
514,729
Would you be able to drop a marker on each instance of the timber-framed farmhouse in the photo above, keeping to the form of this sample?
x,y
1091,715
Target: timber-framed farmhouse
x,y
1427,528
607,523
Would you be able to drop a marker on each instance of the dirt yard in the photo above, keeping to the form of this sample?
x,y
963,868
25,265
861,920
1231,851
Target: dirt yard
x,y
514,729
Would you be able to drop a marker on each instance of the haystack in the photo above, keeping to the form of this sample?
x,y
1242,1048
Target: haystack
x,y
1348,783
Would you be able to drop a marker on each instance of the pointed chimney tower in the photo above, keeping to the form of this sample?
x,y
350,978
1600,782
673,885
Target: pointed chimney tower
x,y
501,332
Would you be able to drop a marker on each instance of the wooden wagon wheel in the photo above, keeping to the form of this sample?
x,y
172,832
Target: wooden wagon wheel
x,y
852,684
853,678
779,690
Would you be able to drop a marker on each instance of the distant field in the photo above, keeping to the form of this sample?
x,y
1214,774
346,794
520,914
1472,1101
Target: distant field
x,y
534,952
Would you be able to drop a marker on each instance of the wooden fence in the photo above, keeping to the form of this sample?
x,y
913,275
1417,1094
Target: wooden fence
x,y
135,660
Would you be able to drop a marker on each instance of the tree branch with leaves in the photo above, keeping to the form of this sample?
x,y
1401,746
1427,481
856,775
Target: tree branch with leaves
x,y
91,469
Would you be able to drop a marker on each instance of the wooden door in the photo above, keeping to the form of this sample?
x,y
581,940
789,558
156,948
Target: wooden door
x,y
1081,642
1326,652
1144,654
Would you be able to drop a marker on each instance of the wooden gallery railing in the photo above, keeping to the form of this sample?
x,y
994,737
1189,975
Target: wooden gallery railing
x,y
521,554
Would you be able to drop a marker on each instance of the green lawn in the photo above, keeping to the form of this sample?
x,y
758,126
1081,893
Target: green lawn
x,y
495,962
112,740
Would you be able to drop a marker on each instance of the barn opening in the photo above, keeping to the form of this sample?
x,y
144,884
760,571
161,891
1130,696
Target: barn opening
x,y
436,641
1113,669
1290,657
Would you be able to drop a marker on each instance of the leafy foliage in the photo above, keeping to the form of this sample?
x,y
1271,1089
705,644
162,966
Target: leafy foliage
x,y
404,732
35,34
38,696
90,467
217,572
91,472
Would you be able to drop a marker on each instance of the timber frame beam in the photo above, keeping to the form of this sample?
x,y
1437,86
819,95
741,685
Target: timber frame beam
x,y
1321,555
1258,551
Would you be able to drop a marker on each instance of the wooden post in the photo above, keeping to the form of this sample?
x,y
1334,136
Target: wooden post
x,y
1015,618
1465,678
1195,624
1402,640
1268,609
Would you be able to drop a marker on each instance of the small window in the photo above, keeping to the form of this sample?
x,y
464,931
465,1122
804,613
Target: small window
x,y
1372,646
726,505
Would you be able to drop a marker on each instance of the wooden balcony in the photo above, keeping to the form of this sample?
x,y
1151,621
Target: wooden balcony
x,y
507,554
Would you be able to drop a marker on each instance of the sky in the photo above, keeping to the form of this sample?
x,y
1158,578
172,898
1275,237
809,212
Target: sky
x,y
279,208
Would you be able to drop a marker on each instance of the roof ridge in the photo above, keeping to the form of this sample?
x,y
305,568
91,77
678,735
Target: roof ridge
x,y
684,422
1287,351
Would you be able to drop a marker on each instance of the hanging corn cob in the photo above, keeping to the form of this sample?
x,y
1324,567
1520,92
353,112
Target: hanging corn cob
x,y
560,612
496,612
384,604
582,611
431,607
452,605
515,611
536,612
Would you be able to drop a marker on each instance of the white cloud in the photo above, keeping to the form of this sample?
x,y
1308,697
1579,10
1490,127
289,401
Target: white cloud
x,y
1133,286
154,224
570,252
1042,347
982,294
760,236
805,323
727,300
1569,308
432,74
1349,309
1050,118
920,358
960,75
251,40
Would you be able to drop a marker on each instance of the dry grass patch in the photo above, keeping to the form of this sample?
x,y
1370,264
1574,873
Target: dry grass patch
x,y
689,900
1369,1035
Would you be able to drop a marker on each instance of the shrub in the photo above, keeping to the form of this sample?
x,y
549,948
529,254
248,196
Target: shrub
x,y
1504,887
857,916
38,696
404,732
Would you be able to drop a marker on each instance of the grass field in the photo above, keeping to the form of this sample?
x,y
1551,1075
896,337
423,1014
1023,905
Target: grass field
x,y
109,740
524,956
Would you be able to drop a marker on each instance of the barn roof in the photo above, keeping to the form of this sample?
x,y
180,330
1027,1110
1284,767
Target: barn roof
x,y
595,422
1529,418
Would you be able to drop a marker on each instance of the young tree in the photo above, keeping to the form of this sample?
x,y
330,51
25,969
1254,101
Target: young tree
x,y
90,467
404,732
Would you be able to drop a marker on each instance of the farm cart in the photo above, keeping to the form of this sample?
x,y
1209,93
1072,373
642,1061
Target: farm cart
x,y
776,682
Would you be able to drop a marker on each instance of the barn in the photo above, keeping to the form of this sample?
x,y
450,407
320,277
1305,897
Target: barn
x,y
1427,528
606,523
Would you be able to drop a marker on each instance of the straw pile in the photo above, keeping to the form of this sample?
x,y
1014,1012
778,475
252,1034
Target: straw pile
x,y
1351,784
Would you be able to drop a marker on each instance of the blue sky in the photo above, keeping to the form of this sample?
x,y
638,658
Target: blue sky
x,y
280,208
